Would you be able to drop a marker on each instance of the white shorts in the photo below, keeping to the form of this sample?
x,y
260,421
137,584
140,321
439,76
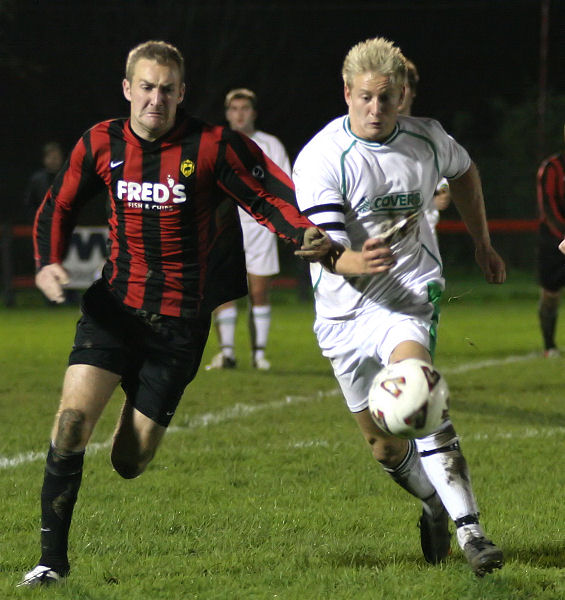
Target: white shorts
x,y
359,348
261,253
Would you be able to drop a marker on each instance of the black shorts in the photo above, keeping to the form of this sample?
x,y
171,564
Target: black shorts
x,y
156,355
550,263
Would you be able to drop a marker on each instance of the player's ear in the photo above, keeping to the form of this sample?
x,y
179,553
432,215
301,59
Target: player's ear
x,y
182,92
126,89
402,95
347,94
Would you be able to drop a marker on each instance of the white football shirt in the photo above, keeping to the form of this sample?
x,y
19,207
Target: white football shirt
x,y
356,189
273,148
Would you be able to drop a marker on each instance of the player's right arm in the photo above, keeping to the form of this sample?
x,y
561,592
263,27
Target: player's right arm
x,y
56,217
51,280
375,257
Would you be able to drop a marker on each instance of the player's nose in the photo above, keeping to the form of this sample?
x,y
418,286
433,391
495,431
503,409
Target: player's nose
x,y
156,97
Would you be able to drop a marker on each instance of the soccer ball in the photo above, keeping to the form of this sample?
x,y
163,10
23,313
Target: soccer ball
x,y
409,399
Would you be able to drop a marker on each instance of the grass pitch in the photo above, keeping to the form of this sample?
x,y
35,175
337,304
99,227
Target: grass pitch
x,y
263,488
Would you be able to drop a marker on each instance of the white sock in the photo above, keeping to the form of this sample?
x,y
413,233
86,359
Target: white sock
x,y
468,532
259,324
225,321
447,470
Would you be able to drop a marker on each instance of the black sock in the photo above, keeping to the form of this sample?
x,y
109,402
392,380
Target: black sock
x,y
548,322
467,520
63,474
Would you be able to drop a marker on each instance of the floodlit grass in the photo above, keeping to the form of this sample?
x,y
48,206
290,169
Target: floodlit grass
x,y
263,487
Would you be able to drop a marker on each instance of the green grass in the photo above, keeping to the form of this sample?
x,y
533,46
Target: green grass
x,y
263,488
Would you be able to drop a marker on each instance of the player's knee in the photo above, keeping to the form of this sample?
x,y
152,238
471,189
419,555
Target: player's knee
x,y
130,467
125,468
259,298
550,303
389,451
70,430
550,297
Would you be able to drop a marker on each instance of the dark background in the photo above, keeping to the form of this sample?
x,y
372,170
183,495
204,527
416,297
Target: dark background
x,y
479,64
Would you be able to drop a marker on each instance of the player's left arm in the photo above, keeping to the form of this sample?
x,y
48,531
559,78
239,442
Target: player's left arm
x,y
316,245
467,195
263,190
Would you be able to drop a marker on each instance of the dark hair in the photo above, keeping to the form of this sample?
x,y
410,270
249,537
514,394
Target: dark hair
x,y
50,147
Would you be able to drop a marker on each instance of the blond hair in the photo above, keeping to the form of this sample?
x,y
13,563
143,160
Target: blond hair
x,y
241,94
162,52
375,55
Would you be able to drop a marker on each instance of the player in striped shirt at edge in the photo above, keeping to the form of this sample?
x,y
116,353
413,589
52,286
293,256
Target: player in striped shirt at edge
x,y
175,254
550,184
366,178
261,253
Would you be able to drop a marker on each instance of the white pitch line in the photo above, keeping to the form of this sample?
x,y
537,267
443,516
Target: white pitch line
x,y
29,457
243,410
531,432
197,422
494,362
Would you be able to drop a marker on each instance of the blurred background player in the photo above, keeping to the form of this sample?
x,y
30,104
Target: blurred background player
x,y
441,198
53,158
551,262
38,184
410,88
36,187
377,298
261,254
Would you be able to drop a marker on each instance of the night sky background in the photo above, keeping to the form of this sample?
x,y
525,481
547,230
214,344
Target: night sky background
x,y
64,60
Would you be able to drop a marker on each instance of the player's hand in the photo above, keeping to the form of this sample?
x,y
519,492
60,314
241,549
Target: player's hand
x,y
50,279
442,199
316,245
491,264
377,257
562,246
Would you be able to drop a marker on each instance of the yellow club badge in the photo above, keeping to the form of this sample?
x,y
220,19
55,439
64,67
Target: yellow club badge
x,y
187,167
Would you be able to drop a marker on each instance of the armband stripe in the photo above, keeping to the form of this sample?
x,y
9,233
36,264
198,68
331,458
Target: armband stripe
x,y
320,208
332,226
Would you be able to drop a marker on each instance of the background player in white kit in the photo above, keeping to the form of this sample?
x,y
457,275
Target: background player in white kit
x,y
261,254
366,179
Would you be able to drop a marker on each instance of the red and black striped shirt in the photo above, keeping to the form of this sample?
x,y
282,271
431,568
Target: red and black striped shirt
x,y
551,195
175,241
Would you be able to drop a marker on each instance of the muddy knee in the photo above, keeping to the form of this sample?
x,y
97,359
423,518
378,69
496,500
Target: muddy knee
x,y
71,432
389,451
